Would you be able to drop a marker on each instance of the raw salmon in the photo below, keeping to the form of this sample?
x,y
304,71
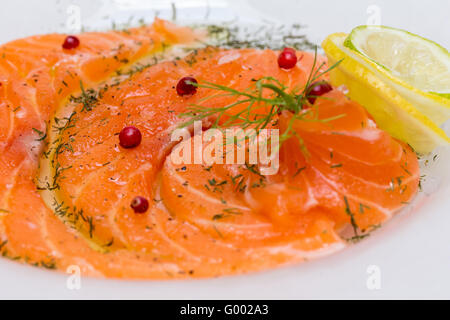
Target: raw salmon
x,y
66,185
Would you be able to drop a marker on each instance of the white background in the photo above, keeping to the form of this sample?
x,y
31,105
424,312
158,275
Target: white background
x,y
429,18
412,252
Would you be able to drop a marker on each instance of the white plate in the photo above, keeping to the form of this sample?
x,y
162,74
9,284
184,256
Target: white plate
x,y
411,254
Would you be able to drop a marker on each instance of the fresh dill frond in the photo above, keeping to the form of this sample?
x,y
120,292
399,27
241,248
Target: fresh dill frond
x,y
261,104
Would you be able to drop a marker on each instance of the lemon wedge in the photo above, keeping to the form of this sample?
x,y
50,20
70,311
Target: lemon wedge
x,y
403,80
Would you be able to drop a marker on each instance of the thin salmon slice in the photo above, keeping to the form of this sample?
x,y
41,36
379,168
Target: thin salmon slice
x,y
61,154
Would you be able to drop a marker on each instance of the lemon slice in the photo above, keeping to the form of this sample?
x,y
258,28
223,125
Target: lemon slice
x,y
417,63
409,105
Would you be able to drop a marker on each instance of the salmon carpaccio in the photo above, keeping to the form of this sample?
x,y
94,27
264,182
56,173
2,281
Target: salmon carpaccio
x,y
66,185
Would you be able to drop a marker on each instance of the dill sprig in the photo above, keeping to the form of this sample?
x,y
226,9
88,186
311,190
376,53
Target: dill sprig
x,y
264,94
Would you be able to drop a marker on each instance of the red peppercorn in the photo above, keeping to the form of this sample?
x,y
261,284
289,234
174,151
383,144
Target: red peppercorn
x,y
139,204
317,89
186,86
71,42
130,137
287,58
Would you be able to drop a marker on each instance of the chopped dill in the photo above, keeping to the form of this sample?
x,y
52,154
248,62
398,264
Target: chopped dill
x,y
47,265
216,186
266,36
42,135
218,232
351,215
254,169
110,243
362,207
366,234
3,244
227,212
88,98
299,170
234,178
